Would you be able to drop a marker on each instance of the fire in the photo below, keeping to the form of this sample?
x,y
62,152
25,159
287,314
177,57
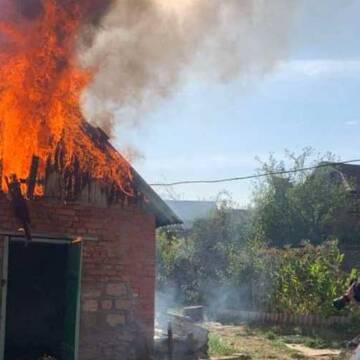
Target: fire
x,y
40,89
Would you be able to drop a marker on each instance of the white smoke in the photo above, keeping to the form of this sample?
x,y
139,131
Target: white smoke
x,y
143,47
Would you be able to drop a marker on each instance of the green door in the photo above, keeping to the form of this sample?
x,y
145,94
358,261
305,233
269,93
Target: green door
x,y
3,295
72,307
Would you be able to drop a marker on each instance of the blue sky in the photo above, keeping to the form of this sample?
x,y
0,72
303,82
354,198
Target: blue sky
x,y
208,130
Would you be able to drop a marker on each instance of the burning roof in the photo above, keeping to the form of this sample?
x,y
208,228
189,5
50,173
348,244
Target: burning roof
x,y
73,184
40,107
40,92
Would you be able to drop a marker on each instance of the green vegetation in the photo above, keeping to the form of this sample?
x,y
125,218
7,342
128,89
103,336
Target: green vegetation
x,y
282,257
254,276
302,205
219,346
316,338
305,280
272,342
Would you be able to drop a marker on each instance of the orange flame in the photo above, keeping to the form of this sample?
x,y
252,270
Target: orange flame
x,y
40,89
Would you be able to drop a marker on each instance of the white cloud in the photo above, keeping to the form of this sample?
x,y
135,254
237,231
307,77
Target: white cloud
x,y
321,67
351,123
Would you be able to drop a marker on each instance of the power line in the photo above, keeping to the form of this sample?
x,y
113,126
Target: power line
x,y
225,180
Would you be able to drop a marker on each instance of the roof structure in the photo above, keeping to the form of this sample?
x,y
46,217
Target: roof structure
x,y
75,181
164,215
348,174
189,211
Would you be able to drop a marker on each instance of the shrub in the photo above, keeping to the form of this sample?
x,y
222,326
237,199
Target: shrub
x,y
214,264
309,278
292,280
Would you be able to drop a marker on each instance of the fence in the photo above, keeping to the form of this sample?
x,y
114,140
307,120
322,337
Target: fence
x,y
286,319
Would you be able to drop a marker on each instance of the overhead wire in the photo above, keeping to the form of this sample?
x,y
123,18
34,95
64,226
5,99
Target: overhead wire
x,y
254,176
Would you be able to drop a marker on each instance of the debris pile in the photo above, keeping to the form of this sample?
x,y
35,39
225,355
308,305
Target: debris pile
x,y
184,339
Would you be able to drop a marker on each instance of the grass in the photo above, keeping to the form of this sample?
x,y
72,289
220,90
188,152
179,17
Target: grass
x,y
270,342
219,347
317,338
270,335
241,339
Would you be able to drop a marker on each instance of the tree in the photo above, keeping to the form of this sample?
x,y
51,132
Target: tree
x,y
195,261
301,205
223,261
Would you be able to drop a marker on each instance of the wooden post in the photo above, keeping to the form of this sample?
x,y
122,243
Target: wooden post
x,y
170,341
19,204
31,180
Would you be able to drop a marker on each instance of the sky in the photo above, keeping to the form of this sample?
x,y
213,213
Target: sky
x,y
209,130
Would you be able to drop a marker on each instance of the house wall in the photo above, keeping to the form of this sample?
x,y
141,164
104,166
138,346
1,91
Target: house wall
x,y
118,272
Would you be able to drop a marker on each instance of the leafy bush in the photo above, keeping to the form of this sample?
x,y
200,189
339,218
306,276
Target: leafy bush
x,y
218,264
308,279
195,262
291,280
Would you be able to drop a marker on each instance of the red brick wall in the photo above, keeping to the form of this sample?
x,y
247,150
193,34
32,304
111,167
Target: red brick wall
x,y
118,274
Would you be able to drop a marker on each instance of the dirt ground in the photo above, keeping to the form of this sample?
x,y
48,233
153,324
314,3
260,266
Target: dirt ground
x,y
261,343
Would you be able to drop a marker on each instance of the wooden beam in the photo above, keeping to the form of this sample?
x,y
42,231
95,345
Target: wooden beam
x,y
31,180
70,238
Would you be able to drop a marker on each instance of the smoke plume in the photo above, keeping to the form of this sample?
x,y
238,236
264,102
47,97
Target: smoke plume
x,y
142,48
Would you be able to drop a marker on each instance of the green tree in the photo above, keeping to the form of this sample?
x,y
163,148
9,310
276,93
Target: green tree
x,y
196,261
300,205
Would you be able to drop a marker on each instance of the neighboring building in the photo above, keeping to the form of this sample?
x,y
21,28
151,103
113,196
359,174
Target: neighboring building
x,y
241,216
83,287
190,211
349,176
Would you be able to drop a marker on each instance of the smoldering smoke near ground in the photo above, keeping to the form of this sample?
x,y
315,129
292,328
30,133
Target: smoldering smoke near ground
x,y
141,48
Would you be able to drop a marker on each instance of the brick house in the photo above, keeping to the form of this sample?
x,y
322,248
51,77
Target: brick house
x,y
83,286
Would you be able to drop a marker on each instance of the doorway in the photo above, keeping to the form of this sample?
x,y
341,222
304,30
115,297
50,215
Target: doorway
x,y
42,301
